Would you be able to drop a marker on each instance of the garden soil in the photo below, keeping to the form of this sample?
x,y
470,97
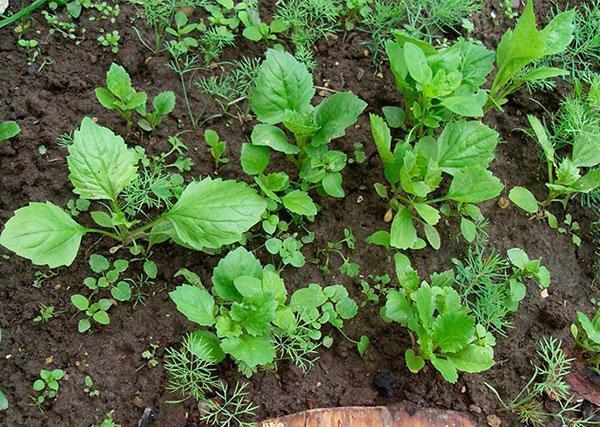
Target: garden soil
x,y
54,100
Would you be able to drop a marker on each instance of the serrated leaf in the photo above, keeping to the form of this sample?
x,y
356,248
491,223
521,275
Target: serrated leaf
x,y
212,213
100,163
299,202
473,358
236,263
451,332
195,303
253,351
335,114
44,234
474,185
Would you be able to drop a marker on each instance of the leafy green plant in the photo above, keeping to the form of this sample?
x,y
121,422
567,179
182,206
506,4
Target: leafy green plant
x,y
289,250
149,355
350,269
437,85
97,311
120,95
462,152
47,385
47,313
441,328
247,308
565,180
110,40
492,287
282,93
31,46
256,30
9,130
586,333
229,407
520,47
548,380
375,288
109,277
217,147
183,42
108,420
209,214
77,206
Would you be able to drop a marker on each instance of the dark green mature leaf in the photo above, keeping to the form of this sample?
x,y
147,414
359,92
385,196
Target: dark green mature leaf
x,y
335,114
253,351
466,144
212,213
416,62
195,303
283,83
586,150
474,185
44,234
236,263
100,163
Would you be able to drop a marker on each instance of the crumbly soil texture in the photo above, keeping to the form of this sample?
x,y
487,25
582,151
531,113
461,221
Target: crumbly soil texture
x,y
53,100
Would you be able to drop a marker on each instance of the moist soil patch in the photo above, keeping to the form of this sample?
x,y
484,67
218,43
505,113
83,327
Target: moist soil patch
x,y
54,100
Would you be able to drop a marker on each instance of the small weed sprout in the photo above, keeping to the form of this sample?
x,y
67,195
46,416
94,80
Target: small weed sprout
x,y
47,385
89,387
110,40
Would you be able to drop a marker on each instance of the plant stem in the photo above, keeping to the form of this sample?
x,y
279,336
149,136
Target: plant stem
x,y
23,13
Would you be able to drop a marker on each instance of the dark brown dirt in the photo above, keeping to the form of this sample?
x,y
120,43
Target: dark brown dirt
x,y
54,101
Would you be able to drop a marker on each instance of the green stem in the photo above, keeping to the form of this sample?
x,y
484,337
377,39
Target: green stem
x,y
105,233
22,13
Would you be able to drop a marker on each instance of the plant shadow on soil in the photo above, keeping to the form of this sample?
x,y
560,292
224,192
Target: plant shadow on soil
x,y
55,100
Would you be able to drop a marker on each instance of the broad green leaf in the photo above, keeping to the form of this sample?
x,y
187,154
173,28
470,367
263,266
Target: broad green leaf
x,y
586,150
272,136
101,317
465,144
121,291
542,73
83,325
394,116
206,345
403,233
253,351
414,362
382,137
80,302
362,345
164,102
474,185
473,358
430,214
452,331
44,234
283,83
379,238
98,263
425,304
100,163
248,286
523,198
398,308
558,34
299,202
416,62
332,184
3,401
254,159
195,303
590,329
236,263
9,130
446,368
468,229
118,81
212,213
588,182
432,235
335,114
468,105
476,62
518,257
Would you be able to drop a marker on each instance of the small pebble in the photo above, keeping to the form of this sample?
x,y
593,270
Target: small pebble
x,y
475,409
493,421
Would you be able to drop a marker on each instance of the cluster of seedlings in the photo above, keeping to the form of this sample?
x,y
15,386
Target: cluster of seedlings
x,y
435,152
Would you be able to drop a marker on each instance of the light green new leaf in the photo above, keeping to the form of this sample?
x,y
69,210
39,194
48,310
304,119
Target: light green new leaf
x,y
452,331
8,130
473,358
425,303
468,105
446,368
523,198
335,114
403,233
398,308
586,150
44,234
299,202
118,81
272,136
100,163
474,185
382,137
236,263
283,83
416,62
254,159
3,401
468,229
588,182
588,326
332,184
164,102
414,362
195,303
430,214
212,213
253,351
465,144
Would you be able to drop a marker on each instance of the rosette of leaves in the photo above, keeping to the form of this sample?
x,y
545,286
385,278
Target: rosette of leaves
x,y
209,214
442,330
282,94
248,306
437,84
577,173
456,162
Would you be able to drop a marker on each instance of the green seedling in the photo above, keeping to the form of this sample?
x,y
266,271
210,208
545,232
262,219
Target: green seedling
x,y
31,46
77,206
375,288
289,250
110,40
209,214
182,31
110,277
347,267
442,330
89,387
46,314
97,311
285,97
149,355
3,399
9,130
47,385
256,30
217,147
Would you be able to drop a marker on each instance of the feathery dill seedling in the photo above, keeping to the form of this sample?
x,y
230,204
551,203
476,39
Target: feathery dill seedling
x,y
214,40
429,19
379,21
183,64
298,347
190,369
230,407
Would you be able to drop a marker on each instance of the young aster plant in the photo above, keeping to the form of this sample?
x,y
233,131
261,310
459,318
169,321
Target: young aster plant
x,y
461,154
209,214
282,94
442,330
247,309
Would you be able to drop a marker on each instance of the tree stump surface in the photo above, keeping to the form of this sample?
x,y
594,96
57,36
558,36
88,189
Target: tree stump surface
x,y
402,415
